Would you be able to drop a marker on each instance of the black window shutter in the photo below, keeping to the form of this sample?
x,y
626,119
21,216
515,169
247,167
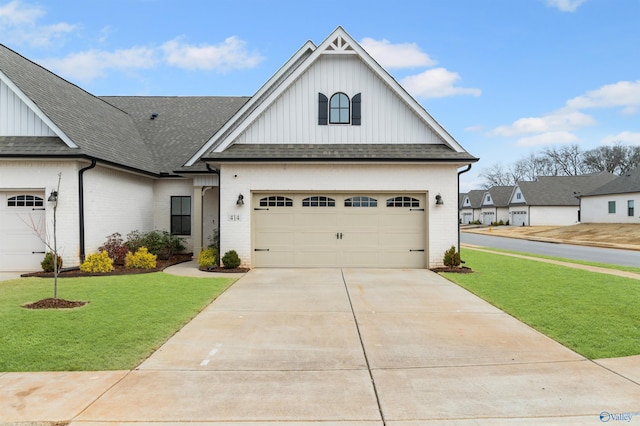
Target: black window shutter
x,y
355,110
323,109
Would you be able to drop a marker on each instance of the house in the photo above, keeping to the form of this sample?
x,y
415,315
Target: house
x,y
471,206
613,202
331,163
495,205
552,200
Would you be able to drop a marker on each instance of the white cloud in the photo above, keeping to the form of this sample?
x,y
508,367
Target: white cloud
x,y
89,65
565,5
627,138
19,22
620,94
400,55
555,122
436,83
230,54
549,138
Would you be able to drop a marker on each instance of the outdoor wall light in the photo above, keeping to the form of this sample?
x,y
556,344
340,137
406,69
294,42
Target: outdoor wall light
x,y
53,197
240,201
439,201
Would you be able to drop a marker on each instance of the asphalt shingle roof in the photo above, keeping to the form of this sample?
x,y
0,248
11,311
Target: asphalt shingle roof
x,y
561,190
501,195
627,183
475,198
339,152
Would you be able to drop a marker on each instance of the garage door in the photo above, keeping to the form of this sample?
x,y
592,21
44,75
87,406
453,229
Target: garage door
x,y
21,249
336,230
519,218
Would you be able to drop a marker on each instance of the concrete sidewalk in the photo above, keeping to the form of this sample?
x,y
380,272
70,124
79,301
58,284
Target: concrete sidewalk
x,y
342,347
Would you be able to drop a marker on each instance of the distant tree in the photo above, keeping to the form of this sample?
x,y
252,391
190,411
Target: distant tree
x,y
565,160
616,158
497,175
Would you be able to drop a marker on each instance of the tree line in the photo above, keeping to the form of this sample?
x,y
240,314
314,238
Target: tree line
x,y
568,160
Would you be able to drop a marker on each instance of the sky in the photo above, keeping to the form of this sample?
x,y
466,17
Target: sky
x,y
506,78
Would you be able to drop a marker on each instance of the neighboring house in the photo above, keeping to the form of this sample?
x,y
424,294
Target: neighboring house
x,y
615,202
471,206
330,164
495,205
552,200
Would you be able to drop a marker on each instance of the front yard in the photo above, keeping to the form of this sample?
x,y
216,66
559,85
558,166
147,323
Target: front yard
x,y
593,314
127,318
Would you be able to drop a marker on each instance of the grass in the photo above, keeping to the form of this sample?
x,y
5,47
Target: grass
x,y
593,314
127,319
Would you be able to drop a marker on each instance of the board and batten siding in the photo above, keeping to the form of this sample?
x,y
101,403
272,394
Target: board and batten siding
x,y
293,117
17,119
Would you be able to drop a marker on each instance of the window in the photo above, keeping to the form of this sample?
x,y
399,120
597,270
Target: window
x,y
630,208
488,198
25,201
339,110
361,201
276,201
318,201
181,215
403,202
518,196
612,206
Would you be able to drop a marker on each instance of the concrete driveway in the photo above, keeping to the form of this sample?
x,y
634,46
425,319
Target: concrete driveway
x,y
343,347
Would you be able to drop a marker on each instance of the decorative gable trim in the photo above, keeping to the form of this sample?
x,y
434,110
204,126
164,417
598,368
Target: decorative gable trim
x,y
339,45
36,110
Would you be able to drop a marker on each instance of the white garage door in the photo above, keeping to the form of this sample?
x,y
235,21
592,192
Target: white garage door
x,y
519,218
335,230
21,248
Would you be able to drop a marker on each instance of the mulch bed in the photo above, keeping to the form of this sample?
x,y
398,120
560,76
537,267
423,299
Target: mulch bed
x,y
226,270
460,270
52,303
118,269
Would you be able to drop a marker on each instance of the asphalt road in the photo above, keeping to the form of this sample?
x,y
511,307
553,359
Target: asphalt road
x,y
567,251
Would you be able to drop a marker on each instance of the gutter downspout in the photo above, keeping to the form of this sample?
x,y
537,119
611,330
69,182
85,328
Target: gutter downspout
x,y
216,171
459,173
81,202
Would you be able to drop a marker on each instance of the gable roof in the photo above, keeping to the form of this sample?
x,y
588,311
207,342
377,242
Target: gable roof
x,y
500,195
339,43
561,190
475,197
87,125
627,183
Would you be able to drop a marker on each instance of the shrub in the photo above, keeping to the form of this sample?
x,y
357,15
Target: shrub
x,y
115,248
161,243
97,263
142,259
47,262
231,260
452,258
207,258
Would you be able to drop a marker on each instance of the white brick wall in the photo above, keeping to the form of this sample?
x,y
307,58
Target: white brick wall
x,y
565,215
596,209
163,191
243,179
115,201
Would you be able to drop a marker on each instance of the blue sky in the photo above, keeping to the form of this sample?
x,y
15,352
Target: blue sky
x,y
505,77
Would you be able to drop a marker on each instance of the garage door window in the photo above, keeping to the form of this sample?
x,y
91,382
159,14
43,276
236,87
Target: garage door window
x,y
25,201
318,201
276,201
403,202
361,201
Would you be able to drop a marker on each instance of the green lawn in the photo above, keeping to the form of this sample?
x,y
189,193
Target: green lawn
x,y
596,315
127,318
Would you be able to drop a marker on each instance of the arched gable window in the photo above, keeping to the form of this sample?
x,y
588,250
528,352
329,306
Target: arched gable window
x,y
339,109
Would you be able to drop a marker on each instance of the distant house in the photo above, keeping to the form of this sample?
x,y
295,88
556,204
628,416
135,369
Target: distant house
x,y
614,202
471,206
552,200
495,204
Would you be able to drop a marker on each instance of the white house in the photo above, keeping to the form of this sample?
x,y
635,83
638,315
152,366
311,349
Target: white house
x,y
615,202
331,163
471,206
552,200
495,204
